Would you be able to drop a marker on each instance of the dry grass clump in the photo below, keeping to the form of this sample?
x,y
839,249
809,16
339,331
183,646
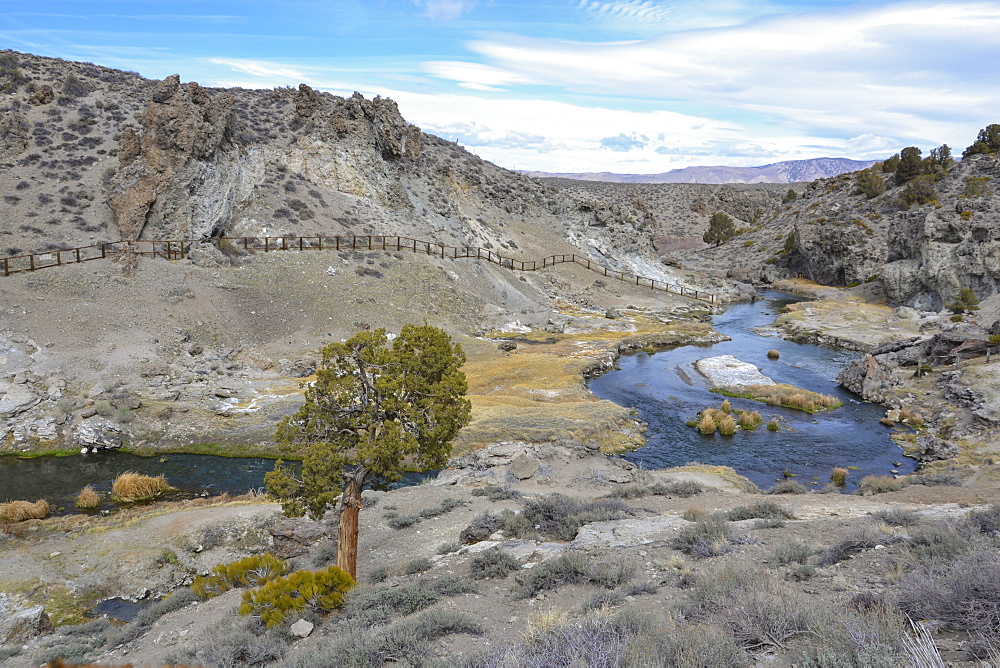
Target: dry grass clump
x,y
838,476
726,407
789,396
20,511
749,420
727,425
911,418
131,486
87,498
706,425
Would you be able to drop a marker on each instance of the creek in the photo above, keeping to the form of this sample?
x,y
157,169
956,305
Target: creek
x,y
668,391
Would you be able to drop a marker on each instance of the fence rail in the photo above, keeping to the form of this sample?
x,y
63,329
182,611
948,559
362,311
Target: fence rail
x,y
176,249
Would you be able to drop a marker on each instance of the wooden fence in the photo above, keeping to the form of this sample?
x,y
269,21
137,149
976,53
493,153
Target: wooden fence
x,y
176,249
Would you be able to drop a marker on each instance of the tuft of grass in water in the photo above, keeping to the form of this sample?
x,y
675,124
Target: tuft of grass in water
x,y
20,511
706,425
788,396
87,498
838,476
727,425
749,420
131,486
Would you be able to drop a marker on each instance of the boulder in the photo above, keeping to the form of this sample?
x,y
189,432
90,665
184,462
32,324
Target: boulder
x,y
16,398
301,628
24,625
98,434
727,371
523,467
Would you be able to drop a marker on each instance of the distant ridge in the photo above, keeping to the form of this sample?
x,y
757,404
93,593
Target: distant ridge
x,y
790,171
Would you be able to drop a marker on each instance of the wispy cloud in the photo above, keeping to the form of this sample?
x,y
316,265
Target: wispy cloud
x,y
264,69
445,10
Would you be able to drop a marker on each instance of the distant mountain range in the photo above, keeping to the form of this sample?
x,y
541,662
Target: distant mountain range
x,y
790,171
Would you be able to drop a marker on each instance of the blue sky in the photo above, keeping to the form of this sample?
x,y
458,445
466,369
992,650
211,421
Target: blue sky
x,y
638,86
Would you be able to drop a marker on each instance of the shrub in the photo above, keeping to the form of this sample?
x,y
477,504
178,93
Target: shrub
x,y
320,591
863,539
710,536
571,568
772,425
19,511
603,600
838,476
402,521
966,301
880,484
751,605
789,487
379,574
938,544
447,505
559,516
761,509
233,642
249,572
726,407
964,593
792,552
448,548
987,520
897,517
418,565
918,191
104,408
131,486
493,563
123,414
870,184
87,498
681,488
496,492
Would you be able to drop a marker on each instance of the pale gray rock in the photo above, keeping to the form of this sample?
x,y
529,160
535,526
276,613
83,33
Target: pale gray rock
x,y
727,371
301,628
24,625
16,398
99,434
627,532
523,467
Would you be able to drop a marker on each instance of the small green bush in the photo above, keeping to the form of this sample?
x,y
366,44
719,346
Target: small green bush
x,y
792,552
493,563
418,565
789,487
572,568
104,408
249,572
320,591
709,536
897,517
762,509
681,488
880,484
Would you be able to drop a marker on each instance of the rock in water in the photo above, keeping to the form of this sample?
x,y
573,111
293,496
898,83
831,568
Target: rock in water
x,y
726,371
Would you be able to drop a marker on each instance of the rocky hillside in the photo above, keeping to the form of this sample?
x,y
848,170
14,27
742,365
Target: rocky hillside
x,y
92,154
789,171
921,251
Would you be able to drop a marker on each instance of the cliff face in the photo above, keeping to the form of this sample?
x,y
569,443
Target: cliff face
x,y
921,255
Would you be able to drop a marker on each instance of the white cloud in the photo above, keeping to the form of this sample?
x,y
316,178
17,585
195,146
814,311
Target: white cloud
x,y
445,10
262,68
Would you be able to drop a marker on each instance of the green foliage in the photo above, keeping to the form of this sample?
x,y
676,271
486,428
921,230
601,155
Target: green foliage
x,y
789,196
789,243
720,229
870,183
249,572
375,406
967,301
976,186
890,164
910,165
939,162
987,143
320,591
10,75
919,190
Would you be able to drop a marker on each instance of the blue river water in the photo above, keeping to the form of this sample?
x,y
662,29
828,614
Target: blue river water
x,y
668,391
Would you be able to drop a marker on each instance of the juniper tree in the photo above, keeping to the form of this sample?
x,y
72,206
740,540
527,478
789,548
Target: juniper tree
x,y
720,229
373,408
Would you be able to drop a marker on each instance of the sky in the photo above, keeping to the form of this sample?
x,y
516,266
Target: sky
x,y
627,86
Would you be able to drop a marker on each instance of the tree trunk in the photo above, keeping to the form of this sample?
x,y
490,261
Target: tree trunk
x,y
347,537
